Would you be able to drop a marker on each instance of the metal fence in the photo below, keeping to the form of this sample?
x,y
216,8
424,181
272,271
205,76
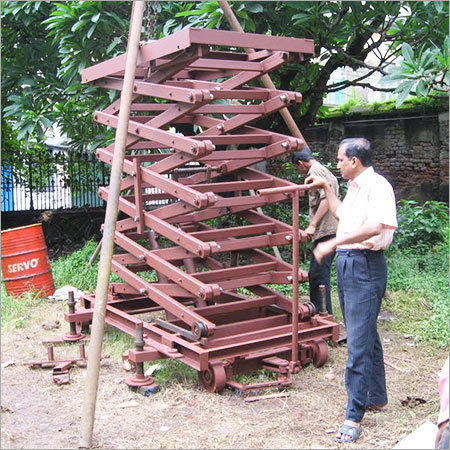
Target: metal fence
x,y
58,179
53,180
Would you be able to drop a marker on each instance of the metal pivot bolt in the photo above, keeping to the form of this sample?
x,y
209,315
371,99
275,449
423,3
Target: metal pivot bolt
x,y
73,335
284,144
289,278
139,379
220,127
288,237
283,98
142,291
136,219
141,257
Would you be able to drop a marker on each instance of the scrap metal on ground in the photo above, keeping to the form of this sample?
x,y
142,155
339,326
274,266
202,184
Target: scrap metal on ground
x,y
195,259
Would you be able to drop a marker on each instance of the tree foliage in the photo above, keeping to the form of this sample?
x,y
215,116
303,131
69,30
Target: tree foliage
x,y
345,35
45,45
424,74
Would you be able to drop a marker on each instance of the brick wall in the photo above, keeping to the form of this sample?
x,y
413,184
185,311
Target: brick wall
x,y
411,152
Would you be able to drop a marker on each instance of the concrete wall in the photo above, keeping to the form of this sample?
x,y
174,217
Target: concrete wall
x,y
411,152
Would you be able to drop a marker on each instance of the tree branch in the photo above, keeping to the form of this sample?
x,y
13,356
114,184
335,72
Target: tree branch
x,y
364,85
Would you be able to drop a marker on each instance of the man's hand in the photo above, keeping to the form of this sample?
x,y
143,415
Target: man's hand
x,y
310,230
316,182
324,249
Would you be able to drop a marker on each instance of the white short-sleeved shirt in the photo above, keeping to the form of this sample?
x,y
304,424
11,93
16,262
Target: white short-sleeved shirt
x,y
369,197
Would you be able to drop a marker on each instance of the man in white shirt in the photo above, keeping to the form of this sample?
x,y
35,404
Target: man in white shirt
x,y
367,220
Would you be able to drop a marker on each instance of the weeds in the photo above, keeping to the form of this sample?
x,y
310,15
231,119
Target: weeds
x,y
419,286
16,311
171,370
71,269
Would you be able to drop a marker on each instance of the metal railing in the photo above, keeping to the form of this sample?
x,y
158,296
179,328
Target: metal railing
x,y
58,179
53,180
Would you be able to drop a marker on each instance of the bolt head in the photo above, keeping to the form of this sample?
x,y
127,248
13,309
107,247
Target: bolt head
x,y
136,218
211,96
284,144
133,174
141,257
220,127
142,291
283,97
289,278
288,237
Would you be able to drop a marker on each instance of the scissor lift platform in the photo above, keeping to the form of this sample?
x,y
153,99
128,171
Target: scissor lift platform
x,y
195,246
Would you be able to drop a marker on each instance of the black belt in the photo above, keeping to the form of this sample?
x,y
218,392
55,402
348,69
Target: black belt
x,y
355,251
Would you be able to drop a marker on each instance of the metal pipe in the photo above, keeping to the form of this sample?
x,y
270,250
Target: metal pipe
x,y
98,320
139,343
284,189
323,299
195,169
71,303
295,260
267,81
388,119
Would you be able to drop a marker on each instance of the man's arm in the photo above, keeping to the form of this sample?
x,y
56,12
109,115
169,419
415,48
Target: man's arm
x,y
332,198
317,218
365,232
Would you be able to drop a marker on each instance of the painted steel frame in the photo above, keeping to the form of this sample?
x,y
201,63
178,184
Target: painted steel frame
x,y
211,281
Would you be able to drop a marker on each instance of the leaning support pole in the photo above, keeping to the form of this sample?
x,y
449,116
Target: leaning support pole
x,y
267,81
98,320
295,252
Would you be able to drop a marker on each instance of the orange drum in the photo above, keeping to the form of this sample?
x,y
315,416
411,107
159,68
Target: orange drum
x,y
25,263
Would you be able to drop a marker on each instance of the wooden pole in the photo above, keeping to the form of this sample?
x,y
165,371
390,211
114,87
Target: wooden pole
x,y
98,320
267,81
94,256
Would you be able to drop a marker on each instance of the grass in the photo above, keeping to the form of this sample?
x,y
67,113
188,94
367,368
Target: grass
x,y
171,370
418,298
71,269
15,312
419,287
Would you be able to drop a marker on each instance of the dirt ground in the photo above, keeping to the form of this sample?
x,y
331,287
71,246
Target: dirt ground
x,y
39,414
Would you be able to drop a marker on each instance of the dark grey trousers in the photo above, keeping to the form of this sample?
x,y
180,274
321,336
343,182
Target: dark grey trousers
x,y
320,274
361,278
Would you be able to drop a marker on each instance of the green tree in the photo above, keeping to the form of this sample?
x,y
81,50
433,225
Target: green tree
x,y
45,45
344,33
424,74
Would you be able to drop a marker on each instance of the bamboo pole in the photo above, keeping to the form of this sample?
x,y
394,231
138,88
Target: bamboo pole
x,y
98,320
267,81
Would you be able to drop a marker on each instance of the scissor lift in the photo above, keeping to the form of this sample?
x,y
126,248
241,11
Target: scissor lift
x,y
195,246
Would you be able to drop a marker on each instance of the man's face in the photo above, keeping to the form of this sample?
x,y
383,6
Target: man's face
x,y
301,167
345,165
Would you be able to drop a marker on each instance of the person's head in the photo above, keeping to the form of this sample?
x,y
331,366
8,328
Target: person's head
x,y
303,159
354,156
